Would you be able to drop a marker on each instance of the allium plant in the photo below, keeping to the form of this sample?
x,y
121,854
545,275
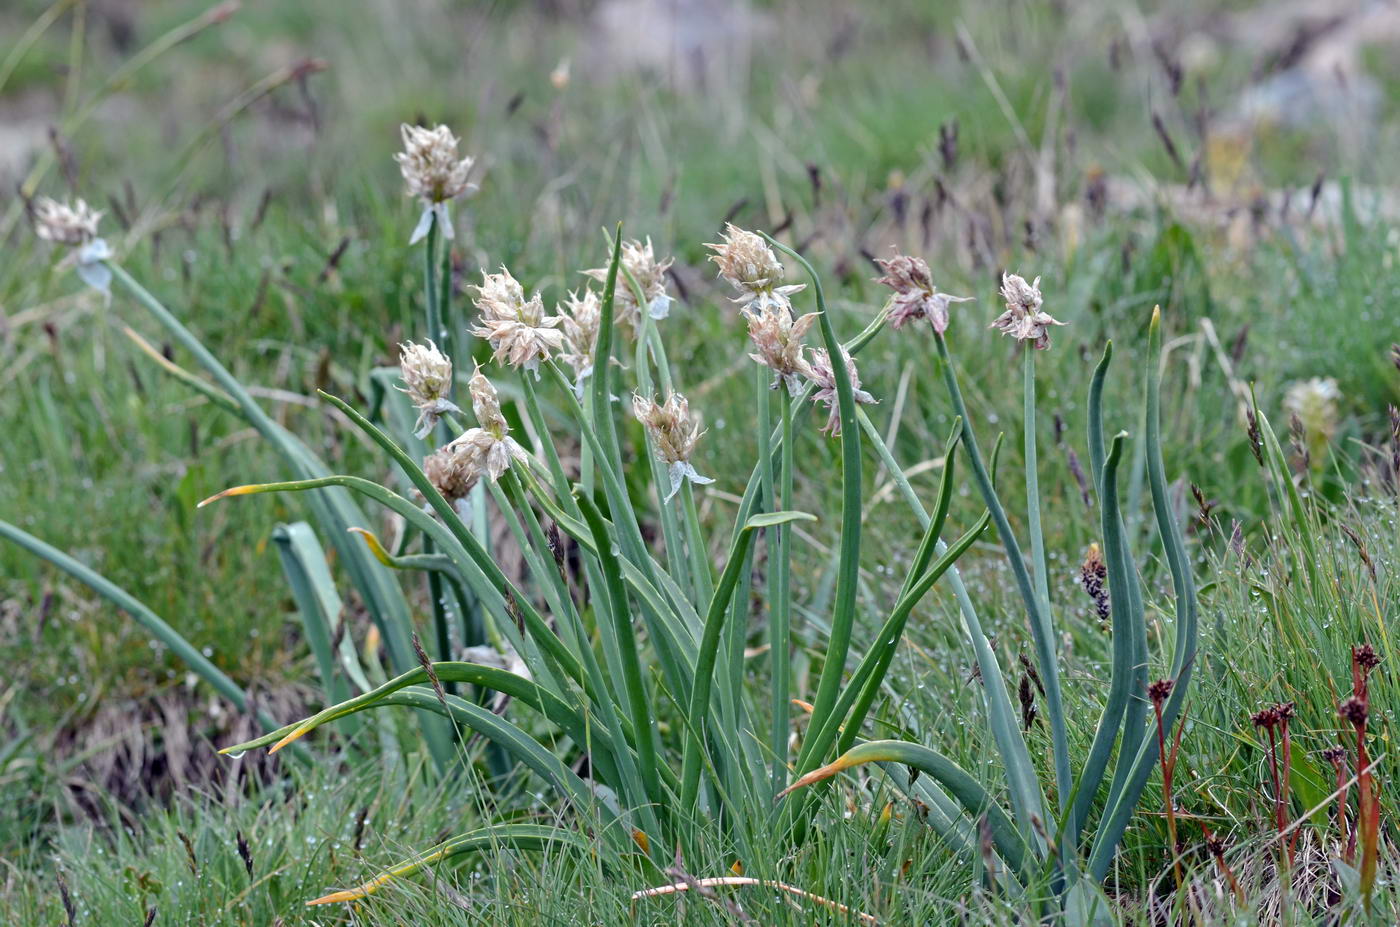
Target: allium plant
x,y
1047,832
629,659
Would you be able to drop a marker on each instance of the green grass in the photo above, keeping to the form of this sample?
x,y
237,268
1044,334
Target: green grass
x,y
103,456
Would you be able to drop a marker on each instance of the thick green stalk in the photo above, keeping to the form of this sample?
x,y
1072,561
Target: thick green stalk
x,y
1027,800
613,601
1119,812
1041,629
848,564
780,610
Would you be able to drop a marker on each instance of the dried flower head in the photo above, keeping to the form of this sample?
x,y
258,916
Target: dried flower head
x,y
1365,656
673,432
1265,718
778,338
1286,711
1334,755
580,317
427,378
433,173
639,260
1023,319
915,296
1093,576
752,268
451,471
488,448
1313,403
74,225
519,332
820,372
1159,691
1354,711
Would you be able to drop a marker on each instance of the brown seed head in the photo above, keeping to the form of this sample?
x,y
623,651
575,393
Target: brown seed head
x,y
1264,717
1285,711
1159,691
1354,711
1334,755
1366,657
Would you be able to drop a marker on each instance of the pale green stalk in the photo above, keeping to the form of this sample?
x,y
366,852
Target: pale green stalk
x,y
1041,628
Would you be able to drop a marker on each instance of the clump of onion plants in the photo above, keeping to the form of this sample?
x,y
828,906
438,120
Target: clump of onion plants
x,y
1042,839
614,669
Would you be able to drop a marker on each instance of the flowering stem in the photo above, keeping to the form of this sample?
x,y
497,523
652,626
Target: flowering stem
x,y
779,615
1168,767
1041,629
1042,582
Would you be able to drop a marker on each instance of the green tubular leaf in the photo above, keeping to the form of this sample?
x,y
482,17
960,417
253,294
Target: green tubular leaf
x,y
334,510
208,390
494,837
962,786
440,563
848,565
535,624
614,603
1042,629
865,683
1118,814
881,655
699,710
525,691
1111,720
601,378
304,565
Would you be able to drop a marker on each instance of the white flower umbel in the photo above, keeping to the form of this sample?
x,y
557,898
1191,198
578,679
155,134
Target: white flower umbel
x,y
580,318
915,296
751,267
76,226
520,334
427,379
674,433
778,338
433,173
1023,319
639,260
489,448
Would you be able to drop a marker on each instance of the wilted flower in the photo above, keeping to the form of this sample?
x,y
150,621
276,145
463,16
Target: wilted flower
x,y
76,226
580,318
640,261
427,379
1314,403
778,337
819,371
488,448
433,173
1023,319
747,262
451,471
674,433
915,296
519,332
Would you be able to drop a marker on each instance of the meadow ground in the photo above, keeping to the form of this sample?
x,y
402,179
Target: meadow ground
x,y
1226,162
